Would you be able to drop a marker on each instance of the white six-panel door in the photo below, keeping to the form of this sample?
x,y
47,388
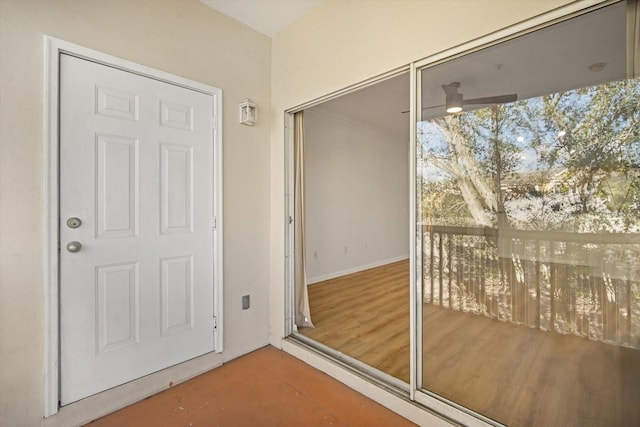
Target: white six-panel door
x,y
136,184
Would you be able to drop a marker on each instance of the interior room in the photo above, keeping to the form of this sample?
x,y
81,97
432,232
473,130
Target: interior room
x,y
356,191
187,184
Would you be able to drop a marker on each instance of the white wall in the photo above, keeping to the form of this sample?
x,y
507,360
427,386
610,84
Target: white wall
x,y
356,195
183,37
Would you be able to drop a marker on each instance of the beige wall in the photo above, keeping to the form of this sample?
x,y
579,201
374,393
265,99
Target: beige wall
x,y
183,37
338,44
341,43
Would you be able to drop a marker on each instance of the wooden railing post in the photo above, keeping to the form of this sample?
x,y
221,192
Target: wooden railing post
x,y
431,274
552,290
537,279
629,298
440,270
449,264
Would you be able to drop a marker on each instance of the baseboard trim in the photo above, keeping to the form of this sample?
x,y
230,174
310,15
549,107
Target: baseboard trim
x,y
329,276
106,402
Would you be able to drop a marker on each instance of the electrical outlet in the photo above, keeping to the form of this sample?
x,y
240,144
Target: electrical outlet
x,y
246,302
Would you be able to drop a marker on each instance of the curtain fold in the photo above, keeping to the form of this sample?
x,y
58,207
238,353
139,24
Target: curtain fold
x,y
301,296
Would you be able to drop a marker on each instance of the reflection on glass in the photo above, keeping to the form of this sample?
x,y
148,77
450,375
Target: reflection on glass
x,y
530,214
353,244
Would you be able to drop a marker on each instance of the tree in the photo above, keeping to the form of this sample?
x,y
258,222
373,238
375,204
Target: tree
x,y
469,157
567,160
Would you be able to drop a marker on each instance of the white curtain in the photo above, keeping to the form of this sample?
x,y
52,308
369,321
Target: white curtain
x,y
301,296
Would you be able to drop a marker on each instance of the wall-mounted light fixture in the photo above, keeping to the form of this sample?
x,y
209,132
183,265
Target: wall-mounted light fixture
x,y
248,112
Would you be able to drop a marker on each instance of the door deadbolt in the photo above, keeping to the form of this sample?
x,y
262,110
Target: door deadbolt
x,y
74,246
74,222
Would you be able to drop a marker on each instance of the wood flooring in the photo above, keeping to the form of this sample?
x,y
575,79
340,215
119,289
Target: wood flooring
x,y
365,315
265,388
514,374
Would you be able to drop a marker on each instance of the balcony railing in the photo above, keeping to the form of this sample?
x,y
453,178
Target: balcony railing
x,y
582,284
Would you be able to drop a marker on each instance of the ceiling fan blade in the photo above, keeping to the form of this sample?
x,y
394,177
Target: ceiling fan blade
x,y
500,99
452,92
425,108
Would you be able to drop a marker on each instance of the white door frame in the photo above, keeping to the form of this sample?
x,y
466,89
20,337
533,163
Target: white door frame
x,y
53,49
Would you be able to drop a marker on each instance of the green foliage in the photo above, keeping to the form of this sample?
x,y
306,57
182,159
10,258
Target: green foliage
x,y
567,160
443,205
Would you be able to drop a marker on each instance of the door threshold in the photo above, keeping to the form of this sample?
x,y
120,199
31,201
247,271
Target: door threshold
x,y
415,411
372,375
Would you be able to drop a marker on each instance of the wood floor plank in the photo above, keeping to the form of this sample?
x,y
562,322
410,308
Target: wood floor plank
x,y
515,374
364,315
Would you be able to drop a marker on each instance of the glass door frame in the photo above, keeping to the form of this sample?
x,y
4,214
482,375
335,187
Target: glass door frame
x,y
428,399
290,330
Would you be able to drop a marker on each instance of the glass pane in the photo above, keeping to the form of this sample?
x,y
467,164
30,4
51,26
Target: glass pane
x,y
353,244
529,212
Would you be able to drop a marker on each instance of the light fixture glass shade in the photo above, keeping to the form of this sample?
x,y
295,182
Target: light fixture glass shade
x,y
248,112
454,103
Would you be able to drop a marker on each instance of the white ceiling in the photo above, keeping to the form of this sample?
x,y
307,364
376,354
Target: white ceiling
x,y
266,16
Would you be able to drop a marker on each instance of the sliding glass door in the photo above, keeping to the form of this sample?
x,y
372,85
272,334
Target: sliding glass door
x,y
349,198
528,228
483,260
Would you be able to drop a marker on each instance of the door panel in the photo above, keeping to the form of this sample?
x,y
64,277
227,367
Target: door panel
x,y
116,186
177,294
117,306
177,189
136,167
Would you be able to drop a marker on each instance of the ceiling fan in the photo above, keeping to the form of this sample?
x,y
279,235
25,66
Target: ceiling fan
x,y
455,101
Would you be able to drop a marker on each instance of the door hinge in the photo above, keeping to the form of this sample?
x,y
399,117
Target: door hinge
x,y
214,323
214,223
214,124
290,220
